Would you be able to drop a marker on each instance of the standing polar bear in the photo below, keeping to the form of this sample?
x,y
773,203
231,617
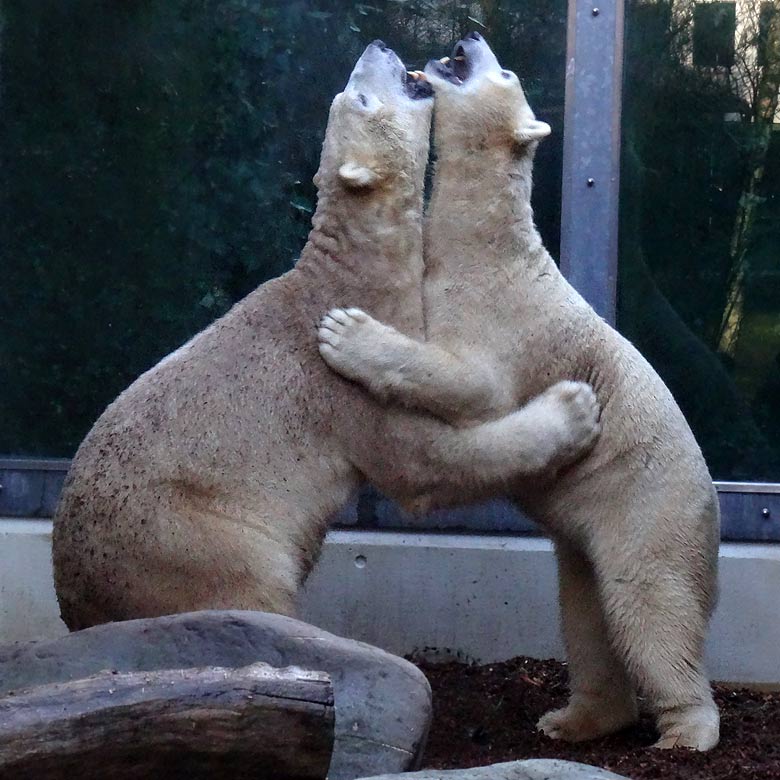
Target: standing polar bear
x,y
209,482
636,523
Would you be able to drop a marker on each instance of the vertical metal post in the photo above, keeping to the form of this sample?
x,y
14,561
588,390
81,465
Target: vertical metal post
x,y
591,151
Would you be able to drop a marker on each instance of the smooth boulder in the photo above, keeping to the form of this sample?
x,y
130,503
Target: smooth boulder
x,y
532,769
383,703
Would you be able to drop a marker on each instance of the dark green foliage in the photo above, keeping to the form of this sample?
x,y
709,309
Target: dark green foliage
x,y
157,159
684,170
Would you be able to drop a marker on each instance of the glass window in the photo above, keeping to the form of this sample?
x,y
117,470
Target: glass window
x,y
714,25
156,166
699,270
768,11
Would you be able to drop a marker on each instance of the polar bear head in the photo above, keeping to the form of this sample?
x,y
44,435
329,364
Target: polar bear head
x,y
480,105
379,126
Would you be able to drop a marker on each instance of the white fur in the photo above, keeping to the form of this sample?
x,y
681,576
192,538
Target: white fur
x,y
636,523
210,481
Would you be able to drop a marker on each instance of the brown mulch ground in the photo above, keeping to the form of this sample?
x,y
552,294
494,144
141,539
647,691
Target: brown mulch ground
x,y
487,714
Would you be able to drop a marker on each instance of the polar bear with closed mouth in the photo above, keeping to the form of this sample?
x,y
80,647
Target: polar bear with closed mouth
x,y
636,522
209,482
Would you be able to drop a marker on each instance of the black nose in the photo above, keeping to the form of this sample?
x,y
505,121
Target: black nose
x,y
380,44
474,36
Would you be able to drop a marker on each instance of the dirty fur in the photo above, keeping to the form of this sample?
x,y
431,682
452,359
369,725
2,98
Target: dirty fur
x,y
636,523
210,481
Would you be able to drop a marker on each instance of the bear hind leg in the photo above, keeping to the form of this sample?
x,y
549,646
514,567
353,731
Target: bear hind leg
x,y
657,622
602,699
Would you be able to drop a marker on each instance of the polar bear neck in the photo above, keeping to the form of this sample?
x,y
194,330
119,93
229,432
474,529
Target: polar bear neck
x,y
376,237
481,203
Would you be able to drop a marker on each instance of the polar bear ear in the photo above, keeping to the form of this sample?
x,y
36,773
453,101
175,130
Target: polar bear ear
x,y
357,176
531,130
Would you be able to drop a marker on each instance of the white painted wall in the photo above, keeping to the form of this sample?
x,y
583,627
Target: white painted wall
x,y
28,606
486,598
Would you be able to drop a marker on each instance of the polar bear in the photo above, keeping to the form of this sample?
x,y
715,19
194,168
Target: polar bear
x,y
209,482
636,523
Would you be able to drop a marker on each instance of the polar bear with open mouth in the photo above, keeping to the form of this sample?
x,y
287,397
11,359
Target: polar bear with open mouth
x,y
209,482
636,522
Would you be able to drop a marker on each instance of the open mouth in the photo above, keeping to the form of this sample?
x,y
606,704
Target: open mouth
x,y
416,85
456,69
460,63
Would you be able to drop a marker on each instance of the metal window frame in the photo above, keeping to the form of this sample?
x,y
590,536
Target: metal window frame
x,y
589,257
750,511
30,488
591,151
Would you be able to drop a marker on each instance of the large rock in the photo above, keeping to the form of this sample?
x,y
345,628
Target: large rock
x,y
383,703
533,769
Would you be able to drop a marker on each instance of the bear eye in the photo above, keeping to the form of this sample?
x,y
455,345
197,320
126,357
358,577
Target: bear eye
x,y
506,74
363,99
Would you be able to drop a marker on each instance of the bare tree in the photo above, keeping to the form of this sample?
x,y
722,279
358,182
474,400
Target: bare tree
x,y
757,74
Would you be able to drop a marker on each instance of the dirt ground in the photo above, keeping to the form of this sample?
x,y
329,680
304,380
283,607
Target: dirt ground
x,y
487,714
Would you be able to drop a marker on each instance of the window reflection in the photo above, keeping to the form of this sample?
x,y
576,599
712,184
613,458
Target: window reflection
x,y
157,160
699,287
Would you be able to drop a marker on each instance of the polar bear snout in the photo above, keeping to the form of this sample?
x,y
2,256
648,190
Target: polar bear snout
x,y
471,56
377,67
381,73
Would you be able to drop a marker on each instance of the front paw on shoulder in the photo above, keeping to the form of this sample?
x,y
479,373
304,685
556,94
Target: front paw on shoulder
x,y
581,415
340,324
338,334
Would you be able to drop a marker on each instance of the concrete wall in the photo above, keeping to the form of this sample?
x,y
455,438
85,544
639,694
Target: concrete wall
x,y
28,606
482,598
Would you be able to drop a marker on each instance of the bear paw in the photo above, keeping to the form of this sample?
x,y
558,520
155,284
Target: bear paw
x,y
347,339
696,728
578,724
352,343
579,412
